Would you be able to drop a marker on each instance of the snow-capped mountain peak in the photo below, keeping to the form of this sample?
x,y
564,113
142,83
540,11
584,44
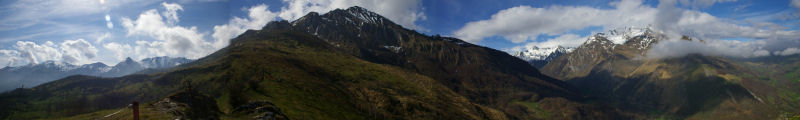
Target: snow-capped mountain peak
x,y
640,37
539,56
540,53
365,15
61,66
619,36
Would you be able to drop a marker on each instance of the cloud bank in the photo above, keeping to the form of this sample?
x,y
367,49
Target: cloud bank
x,y
71,51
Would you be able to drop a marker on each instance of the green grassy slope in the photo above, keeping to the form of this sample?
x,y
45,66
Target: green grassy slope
x,y
331,66
298,73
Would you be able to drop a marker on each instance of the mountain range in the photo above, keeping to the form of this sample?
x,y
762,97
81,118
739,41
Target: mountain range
x,y
540,56
615,67
345,64
34,74
356,64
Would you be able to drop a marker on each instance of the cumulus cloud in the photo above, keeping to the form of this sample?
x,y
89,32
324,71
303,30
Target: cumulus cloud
x,y
70,51
121,51
567,40
181,41
170,39
403,12
258,16
788,51
524,23
77,51
10,58
795,3
35,53
171,12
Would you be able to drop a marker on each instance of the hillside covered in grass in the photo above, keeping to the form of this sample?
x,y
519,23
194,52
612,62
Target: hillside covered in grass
x,y
371,70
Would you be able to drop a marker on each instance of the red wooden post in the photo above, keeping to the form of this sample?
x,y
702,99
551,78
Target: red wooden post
x,y
135,106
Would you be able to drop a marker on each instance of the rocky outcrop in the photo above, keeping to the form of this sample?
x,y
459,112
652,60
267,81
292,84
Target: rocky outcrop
x,y
189,104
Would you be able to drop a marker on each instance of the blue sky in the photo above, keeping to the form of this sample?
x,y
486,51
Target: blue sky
x,y
76,31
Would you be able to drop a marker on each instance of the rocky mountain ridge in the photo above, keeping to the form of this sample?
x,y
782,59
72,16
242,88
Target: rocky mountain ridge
x,y
688,87
344,64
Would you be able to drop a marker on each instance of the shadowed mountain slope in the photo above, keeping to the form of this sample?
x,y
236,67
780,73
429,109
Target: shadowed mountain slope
x,y
346,64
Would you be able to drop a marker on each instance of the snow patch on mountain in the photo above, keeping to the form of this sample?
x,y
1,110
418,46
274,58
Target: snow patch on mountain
x,y
365,15
541,53
619,36
163,62
395,49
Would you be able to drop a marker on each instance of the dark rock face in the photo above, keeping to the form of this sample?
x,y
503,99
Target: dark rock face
x,y
262,110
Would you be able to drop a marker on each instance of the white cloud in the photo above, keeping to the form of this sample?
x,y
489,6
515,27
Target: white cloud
x,y
77,51
109,24
10,58
567,40
795,4
102,37
35,53
788,51
171,40
71,51
403,12
258,16
121,51
524,23
180,41
171,12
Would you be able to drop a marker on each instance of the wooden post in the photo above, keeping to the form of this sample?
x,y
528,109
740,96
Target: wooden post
x,y
135,106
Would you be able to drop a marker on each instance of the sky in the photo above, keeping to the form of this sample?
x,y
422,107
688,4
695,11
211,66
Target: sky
x,y
108,31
